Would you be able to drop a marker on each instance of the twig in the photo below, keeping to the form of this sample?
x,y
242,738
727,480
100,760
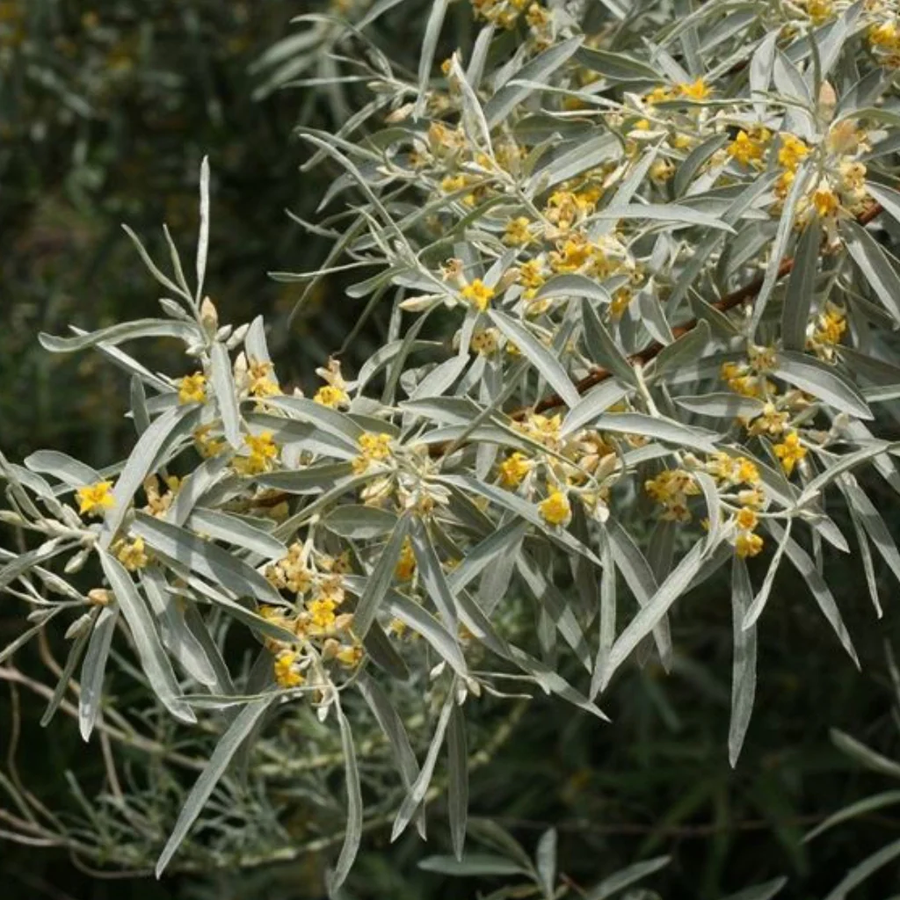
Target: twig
x,y
729,301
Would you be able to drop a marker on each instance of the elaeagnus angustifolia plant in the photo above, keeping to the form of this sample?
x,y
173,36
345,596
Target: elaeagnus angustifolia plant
x,y
635,263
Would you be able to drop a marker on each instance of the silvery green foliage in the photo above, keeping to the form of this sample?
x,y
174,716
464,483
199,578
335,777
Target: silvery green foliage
x,y
632,280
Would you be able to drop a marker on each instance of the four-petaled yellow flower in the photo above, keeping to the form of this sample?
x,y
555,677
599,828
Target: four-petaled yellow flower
x,y
95,499
746,149
556,510
826,202
790,451
286,672
478,294
329,395
406,564
192,388
263,452
792,152
132,554
373,448
696,90
517,232
748,544
513,469
321,613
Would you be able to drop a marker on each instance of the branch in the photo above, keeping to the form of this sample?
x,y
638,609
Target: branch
x,y
729,301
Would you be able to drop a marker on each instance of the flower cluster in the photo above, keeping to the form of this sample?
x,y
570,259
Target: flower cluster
x,y
314,584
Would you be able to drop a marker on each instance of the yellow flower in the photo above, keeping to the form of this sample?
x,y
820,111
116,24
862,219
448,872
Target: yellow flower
x,y
792,152
662,170
94,499
207,446
513,469
262,384
819,11
517,232
745,149
286,673
748,544
478,294
555,510
132,554
747,519
697,90
321,612
331,396
373,447
349,656
485,341
192,388
530,274
263,451
831,326
406,563
790,451
826,202
658,95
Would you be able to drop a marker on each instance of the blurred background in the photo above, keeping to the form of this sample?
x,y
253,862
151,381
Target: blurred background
x,y
106,110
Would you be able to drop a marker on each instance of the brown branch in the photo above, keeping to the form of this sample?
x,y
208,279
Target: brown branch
x,y
729,301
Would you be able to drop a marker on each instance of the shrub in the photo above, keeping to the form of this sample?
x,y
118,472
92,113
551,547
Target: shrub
x,y
640,332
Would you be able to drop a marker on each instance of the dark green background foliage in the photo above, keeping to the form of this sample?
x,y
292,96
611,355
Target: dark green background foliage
x,y
105,112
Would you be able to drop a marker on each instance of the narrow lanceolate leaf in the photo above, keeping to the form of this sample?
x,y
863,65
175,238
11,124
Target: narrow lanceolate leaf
x,y
205,558
545,861
162,434
639,577
782,236
539,356
821,380
226,394
522,82
362,523
765,891
380,579
62,685
60,465
860,808
237,531
722,405
743,671
593,404
648,617
762,597
203,237
602,348
353,832
625,877
458,778
800,289
116,334
858,874
676,214
149,648
429,45
659,428
93,669
876,265
687,349
420,787
228,745
865,755
392,725
432,575
804,564
478,865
